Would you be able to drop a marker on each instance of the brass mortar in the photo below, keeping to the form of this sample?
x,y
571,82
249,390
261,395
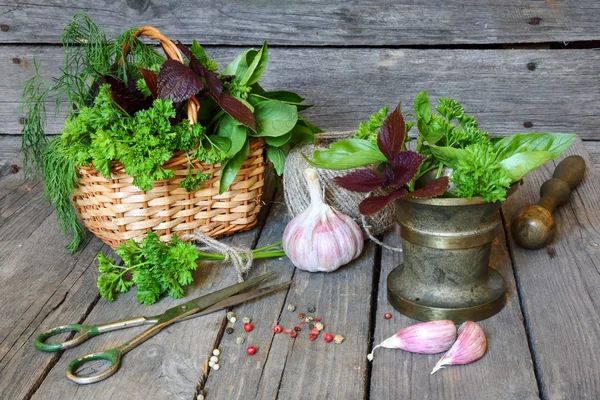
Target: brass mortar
x,y
446,273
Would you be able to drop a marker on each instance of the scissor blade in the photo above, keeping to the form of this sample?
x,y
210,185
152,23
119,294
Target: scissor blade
x,y
243,297
208,300
202,302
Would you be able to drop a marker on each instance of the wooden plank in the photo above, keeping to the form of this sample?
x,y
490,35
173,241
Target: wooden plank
x,y
505,372
560,287
41,285
593,149
347,85
166,366
317,23
297,368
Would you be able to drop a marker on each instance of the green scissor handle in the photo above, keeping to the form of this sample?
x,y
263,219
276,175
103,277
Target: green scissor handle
x,y
85,332
113,356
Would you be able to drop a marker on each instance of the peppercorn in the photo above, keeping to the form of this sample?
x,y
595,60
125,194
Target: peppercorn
x,y
291,307
319,326
240,340
251,350
293,335
315,331
338,339
246,320
317,319
301,315
387,315
328,337
297,328
311,326
312,337
277,329
287,331
248,327
229,330
311,309
309,319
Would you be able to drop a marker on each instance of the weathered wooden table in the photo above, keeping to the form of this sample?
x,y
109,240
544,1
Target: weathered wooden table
x,y
509,63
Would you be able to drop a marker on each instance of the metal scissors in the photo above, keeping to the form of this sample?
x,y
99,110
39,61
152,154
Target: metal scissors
x,y
203,305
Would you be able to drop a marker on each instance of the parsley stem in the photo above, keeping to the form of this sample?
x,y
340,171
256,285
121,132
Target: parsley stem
x,y
267,247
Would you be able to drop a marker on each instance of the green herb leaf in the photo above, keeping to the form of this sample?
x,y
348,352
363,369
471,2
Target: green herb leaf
x,y
274,118
240,65
257,66
234,131
520,164
423,107
232,167
277,157
200,54
346,154
555,143
449,156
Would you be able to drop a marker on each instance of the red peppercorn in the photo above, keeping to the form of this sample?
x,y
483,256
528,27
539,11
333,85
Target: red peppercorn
x,y
302,322
317,319
297,328
287,331
248,327
301,315
312,337
293,335
251,350
315,332
387,315
328,337
277,329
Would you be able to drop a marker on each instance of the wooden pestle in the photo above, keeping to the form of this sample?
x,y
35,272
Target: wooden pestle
x,y
532,226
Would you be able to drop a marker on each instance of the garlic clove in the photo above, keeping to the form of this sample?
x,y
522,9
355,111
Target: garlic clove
x,y
425,338
469,347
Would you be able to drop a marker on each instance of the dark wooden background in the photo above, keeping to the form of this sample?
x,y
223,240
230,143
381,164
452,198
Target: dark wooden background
x,y
519,66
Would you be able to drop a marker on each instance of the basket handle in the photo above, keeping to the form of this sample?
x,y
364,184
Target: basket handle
x,y
172,52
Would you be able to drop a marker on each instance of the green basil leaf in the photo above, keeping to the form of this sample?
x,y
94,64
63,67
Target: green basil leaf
x,y
257,66
234,131
283,95
274,118
520,164
223,143
240,65
346,154
277,157
555,143
254,99
449,156
257,98
306,123
423,107
301,134
232,167
278,140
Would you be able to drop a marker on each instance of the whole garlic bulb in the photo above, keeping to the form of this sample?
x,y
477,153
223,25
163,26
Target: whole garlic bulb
x,y
321,238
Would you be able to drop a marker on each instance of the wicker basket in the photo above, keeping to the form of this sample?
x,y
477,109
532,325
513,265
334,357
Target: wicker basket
x,y
115,210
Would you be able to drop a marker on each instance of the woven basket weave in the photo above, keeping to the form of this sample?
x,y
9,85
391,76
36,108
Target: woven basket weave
x,y
115,210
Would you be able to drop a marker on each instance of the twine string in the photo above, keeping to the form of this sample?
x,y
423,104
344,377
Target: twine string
x,y
240,257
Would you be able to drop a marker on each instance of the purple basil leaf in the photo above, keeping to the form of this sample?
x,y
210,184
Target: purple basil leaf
x,y
177,82
388,174
151,80
127,95
180,112
213,82
433,188
362,180
391,134
406,164
195,65
237,110
373,204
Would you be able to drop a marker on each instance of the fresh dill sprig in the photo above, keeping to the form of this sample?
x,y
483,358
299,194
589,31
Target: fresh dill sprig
x,y
60,181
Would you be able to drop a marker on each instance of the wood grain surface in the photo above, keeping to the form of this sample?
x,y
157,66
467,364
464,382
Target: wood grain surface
x,y
318,23
560,287
347,85
505,372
